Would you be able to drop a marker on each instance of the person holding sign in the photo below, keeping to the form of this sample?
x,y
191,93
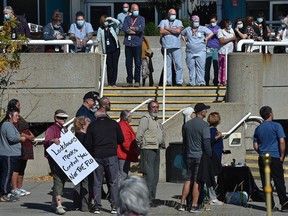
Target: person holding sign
x,y
81,190
101,141
52,135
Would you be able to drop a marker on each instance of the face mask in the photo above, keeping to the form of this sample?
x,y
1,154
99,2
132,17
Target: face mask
x,y
80,23
229,27
7,16
259,20
283,25
172,17
106,23
196,24
213,24
125,10
56,26
240,26
135,13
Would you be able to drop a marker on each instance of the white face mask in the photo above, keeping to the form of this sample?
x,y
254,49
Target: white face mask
x,y
125,9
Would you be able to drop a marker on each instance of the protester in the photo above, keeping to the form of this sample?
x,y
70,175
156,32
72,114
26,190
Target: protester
x,y
90,102
101,140
80,33
81,190
133,197
226,38
170,36
196,139
269,137
133,28
54,31
52,135
126,151
107,35
196,38
121,16
151,136
27,151
10,152
212,52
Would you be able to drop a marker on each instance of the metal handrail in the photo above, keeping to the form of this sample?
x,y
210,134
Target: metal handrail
x,y
251,42
164,85
65,43
173,116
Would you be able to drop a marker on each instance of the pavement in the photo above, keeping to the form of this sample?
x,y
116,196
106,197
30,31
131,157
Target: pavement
x,y
38,203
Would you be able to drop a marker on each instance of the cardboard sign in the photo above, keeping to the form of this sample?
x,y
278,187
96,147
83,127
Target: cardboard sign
x,y
72,157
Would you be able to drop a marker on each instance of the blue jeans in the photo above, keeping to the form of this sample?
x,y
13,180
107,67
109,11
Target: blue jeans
x,y
108,165
7,164
212,54
130,54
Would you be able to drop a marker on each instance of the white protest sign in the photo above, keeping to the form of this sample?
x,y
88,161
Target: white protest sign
x,y
72,157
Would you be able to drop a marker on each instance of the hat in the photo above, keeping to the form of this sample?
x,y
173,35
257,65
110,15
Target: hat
x,y
187,113
200,107
61,113
8,9
92,94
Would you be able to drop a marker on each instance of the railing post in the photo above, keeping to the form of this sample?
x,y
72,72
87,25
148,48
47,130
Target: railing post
x,y
103,75
268,188
164,85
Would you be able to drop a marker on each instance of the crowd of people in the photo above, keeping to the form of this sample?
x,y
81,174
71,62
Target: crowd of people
x,y
204,43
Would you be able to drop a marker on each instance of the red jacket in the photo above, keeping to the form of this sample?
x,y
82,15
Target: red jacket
x,y
128,149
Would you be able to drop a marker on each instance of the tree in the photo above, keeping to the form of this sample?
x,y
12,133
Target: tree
x,y
9,54
164,5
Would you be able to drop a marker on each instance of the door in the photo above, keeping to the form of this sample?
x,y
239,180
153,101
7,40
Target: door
x,y
96,10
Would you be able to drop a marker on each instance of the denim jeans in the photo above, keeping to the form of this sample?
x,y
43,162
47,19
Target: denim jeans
x,y
130,54
108,165
7,164
124,167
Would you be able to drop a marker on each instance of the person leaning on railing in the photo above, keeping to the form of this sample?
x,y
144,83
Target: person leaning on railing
x,y
54,31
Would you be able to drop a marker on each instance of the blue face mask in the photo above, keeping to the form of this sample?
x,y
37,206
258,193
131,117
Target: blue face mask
x,y
172,17
240,26
125,10
106,23
7,16
135,13
196,24
229,27
80,23
213,24
56,26
259,20
283,25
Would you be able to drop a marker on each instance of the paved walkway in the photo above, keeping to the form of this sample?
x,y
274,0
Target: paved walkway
x,y
38,203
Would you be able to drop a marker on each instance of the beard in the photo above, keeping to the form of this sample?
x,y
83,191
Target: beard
x,y
154,114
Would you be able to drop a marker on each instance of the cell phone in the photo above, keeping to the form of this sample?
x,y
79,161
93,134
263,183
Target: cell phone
x,y
226,152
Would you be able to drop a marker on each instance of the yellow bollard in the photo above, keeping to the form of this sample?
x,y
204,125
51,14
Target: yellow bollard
x,y
268,188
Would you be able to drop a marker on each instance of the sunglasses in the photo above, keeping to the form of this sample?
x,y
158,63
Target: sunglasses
x,y
62,118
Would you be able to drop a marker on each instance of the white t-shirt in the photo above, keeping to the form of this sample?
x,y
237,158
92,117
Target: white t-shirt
x,y
222,33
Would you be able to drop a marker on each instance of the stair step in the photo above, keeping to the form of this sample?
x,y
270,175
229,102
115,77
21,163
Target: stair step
x,y
167,95
168,88
113,102
255,166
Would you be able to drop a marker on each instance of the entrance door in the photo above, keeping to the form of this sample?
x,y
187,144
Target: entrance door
x,y
96,10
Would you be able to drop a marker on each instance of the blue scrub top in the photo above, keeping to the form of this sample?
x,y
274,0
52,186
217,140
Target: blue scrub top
x,y
171,41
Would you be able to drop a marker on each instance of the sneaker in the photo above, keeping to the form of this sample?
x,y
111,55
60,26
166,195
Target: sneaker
x,y
195,209
137,84
60,210
9,198
127,85
96,210
181,207
17,193
284,208
25,191
216,202
113,210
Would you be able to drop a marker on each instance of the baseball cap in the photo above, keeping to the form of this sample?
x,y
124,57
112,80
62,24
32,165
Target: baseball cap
x,y
61,113
200,107
92,94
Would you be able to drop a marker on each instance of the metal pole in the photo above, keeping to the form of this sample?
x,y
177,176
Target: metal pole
x,y
164,84
226,65
103,76
268,188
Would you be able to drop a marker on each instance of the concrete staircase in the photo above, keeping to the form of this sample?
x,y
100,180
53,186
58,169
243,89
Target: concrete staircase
x,y
251,160
176,98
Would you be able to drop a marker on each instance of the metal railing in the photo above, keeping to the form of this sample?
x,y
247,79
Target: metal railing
x,y
64,43
251,43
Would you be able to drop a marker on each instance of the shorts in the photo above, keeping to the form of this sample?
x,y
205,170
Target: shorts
x,y
20,166
192,169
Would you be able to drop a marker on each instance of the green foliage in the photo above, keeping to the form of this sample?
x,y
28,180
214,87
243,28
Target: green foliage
x,y
151,29
186,22
164,5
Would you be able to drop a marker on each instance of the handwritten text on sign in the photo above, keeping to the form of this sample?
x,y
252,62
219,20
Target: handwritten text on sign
x,y
72,158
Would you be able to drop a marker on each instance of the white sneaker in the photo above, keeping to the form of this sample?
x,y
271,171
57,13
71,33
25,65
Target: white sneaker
x,y
17,193
60,210
216,202
25,191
